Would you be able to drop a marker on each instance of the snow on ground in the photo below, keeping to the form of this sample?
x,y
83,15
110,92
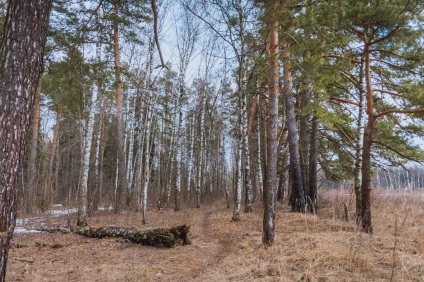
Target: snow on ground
x,y
57,210
21,230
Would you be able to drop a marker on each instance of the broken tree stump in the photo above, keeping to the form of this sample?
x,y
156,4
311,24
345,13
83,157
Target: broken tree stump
x,y
160,237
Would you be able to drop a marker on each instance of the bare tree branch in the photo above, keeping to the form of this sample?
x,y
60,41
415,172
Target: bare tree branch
x,y
394,111
155,28
344,101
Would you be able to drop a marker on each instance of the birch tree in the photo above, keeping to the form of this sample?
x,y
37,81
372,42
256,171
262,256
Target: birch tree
x,y
270,189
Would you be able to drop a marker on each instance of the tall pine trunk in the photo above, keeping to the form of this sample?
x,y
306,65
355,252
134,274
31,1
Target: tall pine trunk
x,y
298,203
21,60
122,172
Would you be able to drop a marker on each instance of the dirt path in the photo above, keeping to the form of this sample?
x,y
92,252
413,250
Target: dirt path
x,y
221,243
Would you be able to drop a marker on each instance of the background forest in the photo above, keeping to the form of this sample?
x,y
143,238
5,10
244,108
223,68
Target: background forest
x,y
214,115
146,104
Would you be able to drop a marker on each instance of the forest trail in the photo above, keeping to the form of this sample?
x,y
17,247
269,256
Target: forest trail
x,y
220,243
308,248
47,257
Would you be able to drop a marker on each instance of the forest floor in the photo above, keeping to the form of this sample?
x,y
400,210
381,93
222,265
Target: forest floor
x,y
321,247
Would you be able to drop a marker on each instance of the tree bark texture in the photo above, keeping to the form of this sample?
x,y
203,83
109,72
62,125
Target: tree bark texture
x,y
366,155
21,57
272,138
359,146
122,173
313,165
160,237
246,155
49,186
88,140
298,204
304,133
238,183
32,162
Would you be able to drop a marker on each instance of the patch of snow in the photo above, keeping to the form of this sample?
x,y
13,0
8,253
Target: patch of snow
x,y
21,230
104,208
57,205
62,212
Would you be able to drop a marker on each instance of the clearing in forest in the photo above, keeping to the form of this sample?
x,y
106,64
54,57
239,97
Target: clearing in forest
x,y
322,247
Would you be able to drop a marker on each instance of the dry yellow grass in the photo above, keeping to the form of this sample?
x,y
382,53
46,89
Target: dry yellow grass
x,y
322,247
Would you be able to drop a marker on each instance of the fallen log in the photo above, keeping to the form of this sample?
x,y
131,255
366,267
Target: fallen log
x,y
160,237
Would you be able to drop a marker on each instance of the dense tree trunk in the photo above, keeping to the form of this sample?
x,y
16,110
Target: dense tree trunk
x,y
366,155
199,143
122,172
49,192
21,57
147,150
313,165
101,145
359,142
304,133
238,182
246,156
32,162
298,203
179,148
87,145
272,138
260,158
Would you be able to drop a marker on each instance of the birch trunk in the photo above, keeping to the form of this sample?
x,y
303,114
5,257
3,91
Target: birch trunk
x,y
268,233
146,169
146,164
88,140
246,157
199,170
359,143
101,145
366,155
238,182
179,148
259,146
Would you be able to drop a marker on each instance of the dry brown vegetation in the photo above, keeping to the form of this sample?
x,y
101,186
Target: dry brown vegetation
x,y
322,247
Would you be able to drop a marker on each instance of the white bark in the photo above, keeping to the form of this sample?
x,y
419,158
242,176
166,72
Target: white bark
x,y
260,179
88,139
146,165
246,150
200,141
189,161
238,184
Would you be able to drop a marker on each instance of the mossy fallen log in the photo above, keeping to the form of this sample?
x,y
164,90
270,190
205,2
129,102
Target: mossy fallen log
x,y
160,237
